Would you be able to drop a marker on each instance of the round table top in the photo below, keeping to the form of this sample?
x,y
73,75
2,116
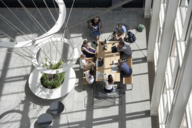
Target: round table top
x,y
56,107
45,120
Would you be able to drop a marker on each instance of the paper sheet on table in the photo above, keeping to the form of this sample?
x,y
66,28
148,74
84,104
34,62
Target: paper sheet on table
x,y
99,75
114,68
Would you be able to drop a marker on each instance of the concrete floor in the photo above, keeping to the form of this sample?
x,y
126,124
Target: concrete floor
x,y
20,108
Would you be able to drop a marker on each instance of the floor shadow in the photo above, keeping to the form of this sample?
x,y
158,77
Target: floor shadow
x,y
139,60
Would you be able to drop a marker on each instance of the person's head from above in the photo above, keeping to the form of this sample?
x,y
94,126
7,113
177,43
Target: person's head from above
x,y
96,19
120,61
121,44
91,71
110,79
83,56
119,26
85,43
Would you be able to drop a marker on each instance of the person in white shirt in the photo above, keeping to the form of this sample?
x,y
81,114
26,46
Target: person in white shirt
x,y
90,76
109,84
86,64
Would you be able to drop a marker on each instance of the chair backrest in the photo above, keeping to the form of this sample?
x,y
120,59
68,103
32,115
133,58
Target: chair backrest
x,y
100,93
88,23
126,26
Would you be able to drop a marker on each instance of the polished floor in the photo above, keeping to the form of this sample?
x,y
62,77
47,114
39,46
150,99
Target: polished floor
x,y
20,108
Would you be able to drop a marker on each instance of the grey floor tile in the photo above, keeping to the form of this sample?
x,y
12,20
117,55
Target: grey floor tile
x,y
137,123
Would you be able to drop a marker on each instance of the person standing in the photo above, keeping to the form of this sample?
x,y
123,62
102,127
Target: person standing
x,y
95,27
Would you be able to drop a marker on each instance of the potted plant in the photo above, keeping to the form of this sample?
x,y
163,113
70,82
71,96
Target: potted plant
x,y
52,81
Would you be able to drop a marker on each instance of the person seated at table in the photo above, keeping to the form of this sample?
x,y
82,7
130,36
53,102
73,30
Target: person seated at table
x,y
120,32
86,64
90,76
87,50
109,84
124,69
95,27
124,49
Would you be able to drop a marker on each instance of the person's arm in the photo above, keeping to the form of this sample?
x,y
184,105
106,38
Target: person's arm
x,y
123,35
88,60
118,49
82,62
116,34
105,81
129,49
99,26
92,25
84,49
85,65
87,74
91,47
120,69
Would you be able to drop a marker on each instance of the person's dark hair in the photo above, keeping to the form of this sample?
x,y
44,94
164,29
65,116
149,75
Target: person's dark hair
x,y
119,25
121,43
91,71
110,79
85,42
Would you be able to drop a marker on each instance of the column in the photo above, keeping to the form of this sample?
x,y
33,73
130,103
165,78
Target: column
x,y
167,36
153,29
187,20
147,13
183,91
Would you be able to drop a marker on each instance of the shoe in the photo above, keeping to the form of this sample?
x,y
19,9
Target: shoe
x,y
94,42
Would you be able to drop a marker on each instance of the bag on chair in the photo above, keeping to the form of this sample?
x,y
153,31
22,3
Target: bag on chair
x,y
132,37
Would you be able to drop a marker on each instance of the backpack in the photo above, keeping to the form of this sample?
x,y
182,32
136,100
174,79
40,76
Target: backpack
x,y
140,27
113,49
132,37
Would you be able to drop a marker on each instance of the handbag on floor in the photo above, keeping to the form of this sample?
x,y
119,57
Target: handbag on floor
x,y
132,37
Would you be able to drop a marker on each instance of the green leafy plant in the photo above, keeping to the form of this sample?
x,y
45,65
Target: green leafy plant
x,y
52,80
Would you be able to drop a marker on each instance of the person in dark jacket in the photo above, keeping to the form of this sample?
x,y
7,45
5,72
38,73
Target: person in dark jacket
x,y
124,69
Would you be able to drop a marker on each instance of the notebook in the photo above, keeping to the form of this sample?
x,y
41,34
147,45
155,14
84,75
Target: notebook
x,y
99,75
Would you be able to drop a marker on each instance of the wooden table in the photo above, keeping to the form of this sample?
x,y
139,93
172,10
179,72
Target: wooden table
x,y
108,57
